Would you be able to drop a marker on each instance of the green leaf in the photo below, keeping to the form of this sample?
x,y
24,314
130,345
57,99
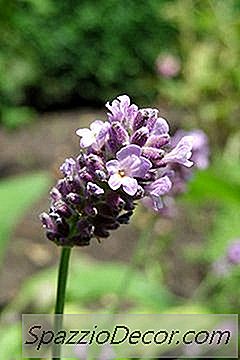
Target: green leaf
x,y
17,194
213,185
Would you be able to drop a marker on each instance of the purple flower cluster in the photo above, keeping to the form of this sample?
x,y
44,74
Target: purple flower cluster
x,y
124,159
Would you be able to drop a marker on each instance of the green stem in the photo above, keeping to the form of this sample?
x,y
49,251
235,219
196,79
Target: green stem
x,y
61,291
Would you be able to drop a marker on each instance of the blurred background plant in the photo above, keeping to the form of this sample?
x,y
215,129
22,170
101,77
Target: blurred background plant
x,y
206,53
62,54
59,63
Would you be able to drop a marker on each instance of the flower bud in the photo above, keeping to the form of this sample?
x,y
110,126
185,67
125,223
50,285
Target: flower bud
x,y
158,141
94,162
62,209
118,136
233,254
101,176
46,221
84,175
140,136
55,194
94,189
145,117
81,161
101,232
90,210
153,154
74,198
68,167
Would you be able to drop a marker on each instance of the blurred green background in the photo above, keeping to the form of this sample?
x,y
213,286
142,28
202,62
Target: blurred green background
x,y
60,61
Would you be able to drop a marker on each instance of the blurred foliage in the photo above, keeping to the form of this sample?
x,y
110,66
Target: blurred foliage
x,y
55,53
97,289
11,336
17,195
15,117
61,54
92,287
219,187
207,89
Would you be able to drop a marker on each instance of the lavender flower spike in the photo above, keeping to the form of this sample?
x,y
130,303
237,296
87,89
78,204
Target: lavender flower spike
x,y
120,161
129,165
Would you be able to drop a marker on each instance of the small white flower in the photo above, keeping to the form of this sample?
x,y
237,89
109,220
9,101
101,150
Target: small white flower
x,y
95,136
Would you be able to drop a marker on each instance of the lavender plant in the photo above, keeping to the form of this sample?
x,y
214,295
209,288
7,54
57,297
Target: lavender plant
x,y
124,159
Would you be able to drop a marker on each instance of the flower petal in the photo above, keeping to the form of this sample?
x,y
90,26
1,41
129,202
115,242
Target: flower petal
x,y
115,181
181,153
87,136
161,186
113,166
96,126
127,151
160,127
83,132
143,167
157,202
130,185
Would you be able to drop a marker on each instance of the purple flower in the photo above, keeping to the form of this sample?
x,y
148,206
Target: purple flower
x,y
121,110
55,194
200,155
128,166
200,150
158,188
200,146
181,153
120,161
159,134
160,127
67,168
95,136
145,117
94,189
118,137
168,66
47,221
233,253
140,136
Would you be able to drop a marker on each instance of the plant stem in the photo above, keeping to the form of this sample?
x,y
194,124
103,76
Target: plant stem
x,y
61,291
